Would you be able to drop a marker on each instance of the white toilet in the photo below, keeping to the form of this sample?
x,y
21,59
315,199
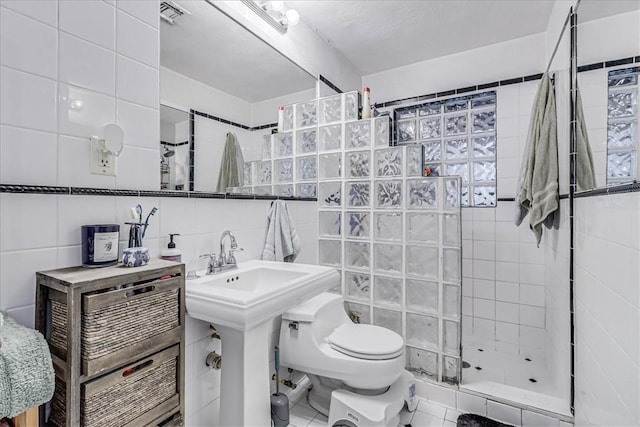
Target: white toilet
x,y
357,371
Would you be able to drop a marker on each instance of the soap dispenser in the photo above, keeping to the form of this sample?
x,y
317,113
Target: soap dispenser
x,y
171,253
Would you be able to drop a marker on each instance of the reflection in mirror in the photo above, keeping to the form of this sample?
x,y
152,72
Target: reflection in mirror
x,y
174,149
235,83
608,73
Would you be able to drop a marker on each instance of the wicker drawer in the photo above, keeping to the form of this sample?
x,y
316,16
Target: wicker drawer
x,y
119,325
132,396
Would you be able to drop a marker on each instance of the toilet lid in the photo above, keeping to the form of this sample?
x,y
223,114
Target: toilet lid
x,y
366,341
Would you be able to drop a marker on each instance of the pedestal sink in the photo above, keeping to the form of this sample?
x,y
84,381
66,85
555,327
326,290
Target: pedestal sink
x,y
241,304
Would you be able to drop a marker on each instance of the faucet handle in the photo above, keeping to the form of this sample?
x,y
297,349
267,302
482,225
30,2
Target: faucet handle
x,y
213,261
231,259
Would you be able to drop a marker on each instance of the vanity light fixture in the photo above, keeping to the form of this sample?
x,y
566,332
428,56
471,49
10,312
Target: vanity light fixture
x,y
170,11
275,13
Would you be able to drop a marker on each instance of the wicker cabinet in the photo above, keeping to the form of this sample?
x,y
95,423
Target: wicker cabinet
x,y
116,337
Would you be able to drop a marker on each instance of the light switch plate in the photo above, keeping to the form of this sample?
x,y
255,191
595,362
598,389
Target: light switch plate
x,y
101,163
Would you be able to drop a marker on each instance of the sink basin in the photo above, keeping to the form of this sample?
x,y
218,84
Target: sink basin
x,y
257,291
242,305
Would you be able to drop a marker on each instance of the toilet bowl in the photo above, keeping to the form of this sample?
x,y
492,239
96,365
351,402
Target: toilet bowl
x,y
318,338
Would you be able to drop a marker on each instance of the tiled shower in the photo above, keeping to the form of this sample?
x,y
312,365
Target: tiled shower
x,y
393,234
435,258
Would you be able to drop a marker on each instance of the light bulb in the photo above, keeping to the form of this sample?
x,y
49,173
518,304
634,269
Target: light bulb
x,y
293,17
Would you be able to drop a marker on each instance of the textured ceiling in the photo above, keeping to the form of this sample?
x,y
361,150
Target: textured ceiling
x,y
209,47
377,35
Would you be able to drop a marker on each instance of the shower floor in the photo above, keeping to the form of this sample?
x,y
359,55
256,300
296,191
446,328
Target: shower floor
x,y
512,378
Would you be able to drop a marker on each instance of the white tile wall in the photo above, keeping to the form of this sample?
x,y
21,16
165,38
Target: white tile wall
x,y
503,268
45,142
556,301
505,413
18,145
36,50
37,95
92,20
504,278
86,65
42,10
607,274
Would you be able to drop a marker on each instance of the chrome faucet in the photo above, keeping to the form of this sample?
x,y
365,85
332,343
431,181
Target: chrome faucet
x,y
228,259
223,262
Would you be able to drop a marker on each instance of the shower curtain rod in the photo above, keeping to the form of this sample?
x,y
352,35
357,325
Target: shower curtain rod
x,y
564,27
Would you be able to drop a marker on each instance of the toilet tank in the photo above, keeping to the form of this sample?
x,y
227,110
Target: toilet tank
x,y
322,314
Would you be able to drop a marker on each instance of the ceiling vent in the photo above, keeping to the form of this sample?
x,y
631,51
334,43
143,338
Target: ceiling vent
x,y
170,11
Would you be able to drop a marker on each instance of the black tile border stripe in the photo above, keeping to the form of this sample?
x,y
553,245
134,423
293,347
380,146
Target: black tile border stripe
x,y
512,81
326,81
512,199
232,123
202,195
466,89
33,189
89,191
617,62
505,82
474,88
443,94
589,67
532,77
174,144
609,64
192,149
160,193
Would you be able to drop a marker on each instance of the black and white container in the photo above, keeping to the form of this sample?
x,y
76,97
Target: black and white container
x,y
100,245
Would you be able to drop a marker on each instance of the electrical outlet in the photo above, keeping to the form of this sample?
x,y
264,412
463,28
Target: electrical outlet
x,y
101,163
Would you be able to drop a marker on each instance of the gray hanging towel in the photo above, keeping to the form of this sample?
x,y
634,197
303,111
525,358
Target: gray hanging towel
x,y
585,175
282,242
231,170
537,192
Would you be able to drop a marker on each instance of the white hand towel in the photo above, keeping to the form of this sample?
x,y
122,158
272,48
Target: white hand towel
x,y
282,242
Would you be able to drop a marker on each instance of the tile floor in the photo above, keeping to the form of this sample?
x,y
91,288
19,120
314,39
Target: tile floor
x,y
428,414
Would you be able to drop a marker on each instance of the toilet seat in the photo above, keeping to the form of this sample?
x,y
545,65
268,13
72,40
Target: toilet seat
x,y
368,342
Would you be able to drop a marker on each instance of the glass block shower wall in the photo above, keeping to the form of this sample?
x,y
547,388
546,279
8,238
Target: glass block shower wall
x,y
622,126
395,236
459,139
289,163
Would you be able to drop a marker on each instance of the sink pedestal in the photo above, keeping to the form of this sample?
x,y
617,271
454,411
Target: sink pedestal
x,y
245,396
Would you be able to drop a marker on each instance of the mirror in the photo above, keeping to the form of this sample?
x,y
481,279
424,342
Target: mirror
x,y
174,149
234,82
608,77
